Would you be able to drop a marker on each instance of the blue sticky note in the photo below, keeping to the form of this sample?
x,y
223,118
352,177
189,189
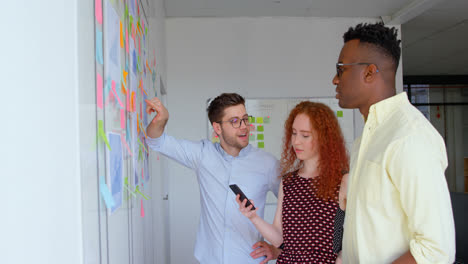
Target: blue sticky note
x,y
134,62
99,57
105,193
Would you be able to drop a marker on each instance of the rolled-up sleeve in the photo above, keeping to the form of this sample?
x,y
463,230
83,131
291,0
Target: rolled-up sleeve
x,y
416,167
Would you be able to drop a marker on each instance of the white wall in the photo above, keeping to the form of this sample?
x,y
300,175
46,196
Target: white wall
x,y
256,57
39,133
48,136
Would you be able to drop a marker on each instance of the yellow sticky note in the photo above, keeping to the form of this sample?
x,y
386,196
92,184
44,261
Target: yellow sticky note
x,y
260,137
260,120
102,133
339,113
261,144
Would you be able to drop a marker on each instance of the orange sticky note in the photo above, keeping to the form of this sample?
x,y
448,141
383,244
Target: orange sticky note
x,y
142,211
125,73
122,89
99,90
121,36
138,124
132,103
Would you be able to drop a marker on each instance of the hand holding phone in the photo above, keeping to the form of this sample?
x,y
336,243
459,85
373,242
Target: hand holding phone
x,y
237,191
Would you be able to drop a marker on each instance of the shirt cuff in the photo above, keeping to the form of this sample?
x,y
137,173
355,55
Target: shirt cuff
x,y
156,143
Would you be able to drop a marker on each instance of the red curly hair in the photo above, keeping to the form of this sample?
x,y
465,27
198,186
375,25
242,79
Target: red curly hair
x,y
333,161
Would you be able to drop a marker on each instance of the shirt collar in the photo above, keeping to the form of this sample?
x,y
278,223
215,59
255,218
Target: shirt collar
x,y
382,109
243,153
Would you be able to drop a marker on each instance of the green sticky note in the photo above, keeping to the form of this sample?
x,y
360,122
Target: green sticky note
x,y
251,137
260,137
251,119
260,120
261,144
102,134
339,113
260,128
266,120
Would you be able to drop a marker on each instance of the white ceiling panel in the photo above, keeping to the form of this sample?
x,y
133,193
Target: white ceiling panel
x,y
432,41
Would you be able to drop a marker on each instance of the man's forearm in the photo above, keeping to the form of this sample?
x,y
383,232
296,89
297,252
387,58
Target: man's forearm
x,y
406,258
155,130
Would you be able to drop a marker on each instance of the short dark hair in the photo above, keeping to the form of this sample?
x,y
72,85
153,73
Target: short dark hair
x,y
383,38
216,108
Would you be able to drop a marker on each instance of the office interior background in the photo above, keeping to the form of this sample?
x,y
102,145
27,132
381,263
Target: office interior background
x,y
203,47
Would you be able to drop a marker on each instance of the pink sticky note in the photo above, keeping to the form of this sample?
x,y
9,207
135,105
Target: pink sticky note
x,y
99,90
126,39
98,10
142,211
124,142
122,118
116,95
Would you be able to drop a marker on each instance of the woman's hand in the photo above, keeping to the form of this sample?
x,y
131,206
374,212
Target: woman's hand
x,y
246,211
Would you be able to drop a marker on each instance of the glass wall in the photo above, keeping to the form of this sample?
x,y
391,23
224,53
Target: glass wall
x,y
446,107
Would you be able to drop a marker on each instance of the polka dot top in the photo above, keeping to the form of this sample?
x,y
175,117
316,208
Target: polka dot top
x,y
308,223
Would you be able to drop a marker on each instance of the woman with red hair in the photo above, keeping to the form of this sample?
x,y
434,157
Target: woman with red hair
x,y
313,160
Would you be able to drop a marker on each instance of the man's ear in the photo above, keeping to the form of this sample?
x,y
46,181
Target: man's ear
x,y
370,73
217,128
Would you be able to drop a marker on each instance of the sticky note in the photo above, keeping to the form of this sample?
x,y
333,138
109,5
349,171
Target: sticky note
x,y
122,118
124,142
260,120
124,75
126,40
251,137
142,211
116,94
251,119
261,144
99,57
98,11
99,90
253,127
260,137
260,128
267,120
132,102
121,36
105,193
339,113
102,134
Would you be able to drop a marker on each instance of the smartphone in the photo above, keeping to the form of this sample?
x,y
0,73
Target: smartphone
x,y
237,191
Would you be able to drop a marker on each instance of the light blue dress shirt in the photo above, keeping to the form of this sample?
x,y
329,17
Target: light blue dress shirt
x,y
224,234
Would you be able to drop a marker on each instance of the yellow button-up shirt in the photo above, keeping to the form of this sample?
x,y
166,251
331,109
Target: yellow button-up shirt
x,y
398,199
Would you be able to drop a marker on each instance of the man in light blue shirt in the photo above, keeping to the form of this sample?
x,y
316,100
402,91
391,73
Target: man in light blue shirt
x,y
224,234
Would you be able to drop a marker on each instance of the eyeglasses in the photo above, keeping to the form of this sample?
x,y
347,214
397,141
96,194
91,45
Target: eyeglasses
x,y
237,122
339,66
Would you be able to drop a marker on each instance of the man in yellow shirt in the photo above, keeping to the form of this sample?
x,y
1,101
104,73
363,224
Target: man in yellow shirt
x,y
398,206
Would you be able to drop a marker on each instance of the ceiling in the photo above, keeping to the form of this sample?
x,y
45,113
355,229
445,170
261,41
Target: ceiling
x,y
434,32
